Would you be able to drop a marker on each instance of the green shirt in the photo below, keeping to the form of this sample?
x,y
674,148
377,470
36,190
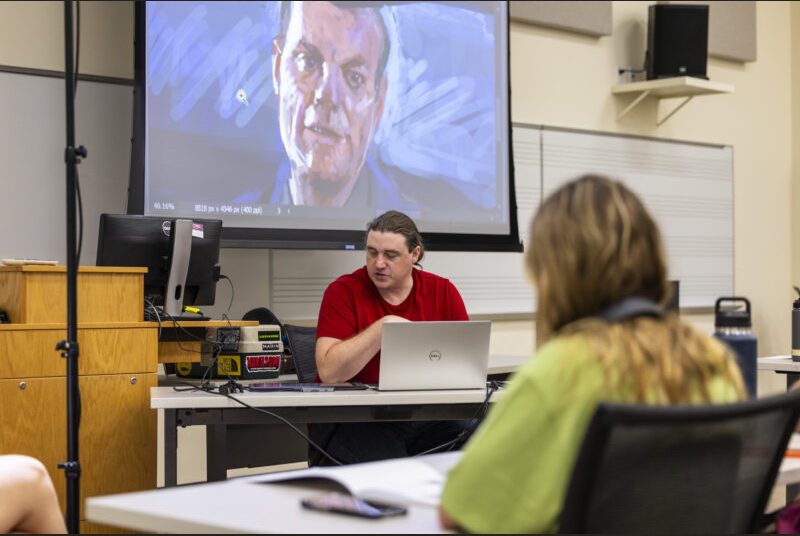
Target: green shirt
x,y
514,472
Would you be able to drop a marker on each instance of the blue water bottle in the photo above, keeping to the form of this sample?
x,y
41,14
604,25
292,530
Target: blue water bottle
x,y
735,328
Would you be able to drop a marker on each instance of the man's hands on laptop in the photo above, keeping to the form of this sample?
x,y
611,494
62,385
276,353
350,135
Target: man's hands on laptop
x,y
394,318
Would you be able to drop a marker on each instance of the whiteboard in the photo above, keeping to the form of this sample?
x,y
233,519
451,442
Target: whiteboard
x,y
688,187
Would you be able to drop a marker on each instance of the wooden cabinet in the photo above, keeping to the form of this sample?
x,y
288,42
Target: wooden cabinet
x,y
117,366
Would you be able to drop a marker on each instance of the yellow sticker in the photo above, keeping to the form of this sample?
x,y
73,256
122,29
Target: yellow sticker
x,y
229,365
184,369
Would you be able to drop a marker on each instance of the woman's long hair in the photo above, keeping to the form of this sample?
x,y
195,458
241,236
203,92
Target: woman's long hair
x,y
593,244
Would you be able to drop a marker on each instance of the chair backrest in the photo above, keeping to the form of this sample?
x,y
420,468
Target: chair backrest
x,y
679,469
262,315
303,343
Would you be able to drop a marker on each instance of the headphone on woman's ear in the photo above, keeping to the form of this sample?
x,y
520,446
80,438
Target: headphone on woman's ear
x,y
631,307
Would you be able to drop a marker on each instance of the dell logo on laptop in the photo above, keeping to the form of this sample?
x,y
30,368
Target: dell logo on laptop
x,y
435,355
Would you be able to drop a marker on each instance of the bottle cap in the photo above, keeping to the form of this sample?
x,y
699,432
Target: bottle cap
x,y
732,318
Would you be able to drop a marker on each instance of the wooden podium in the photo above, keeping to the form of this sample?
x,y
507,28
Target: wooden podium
x,y
117,366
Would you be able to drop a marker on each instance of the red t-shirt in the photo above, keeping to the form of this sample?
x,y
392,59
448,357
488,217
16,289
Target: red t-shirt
x,y
352,303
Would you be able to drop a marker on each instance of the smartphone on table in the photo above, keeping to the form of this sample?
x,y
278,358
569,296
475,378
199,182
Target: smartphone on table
x,y
347,504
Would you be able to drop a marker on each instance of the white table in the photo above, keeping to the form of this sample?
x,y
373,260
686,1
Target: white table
x,y
217,412
778,363
505,364
244,505
221,415
782,364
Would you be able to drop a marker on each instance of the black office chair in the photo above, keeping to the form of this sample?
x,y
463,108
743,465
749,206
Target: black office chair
x,y
263,316
303,343
679,469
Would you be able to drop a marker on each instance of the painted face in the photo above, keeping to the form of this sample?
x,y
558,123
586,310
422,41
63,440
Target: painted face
x,y
389,263
325,73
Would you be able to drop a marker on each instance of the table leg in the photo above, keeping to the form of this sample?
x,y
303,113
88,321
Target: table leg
x,y
791,378
170,448
216,454
792,490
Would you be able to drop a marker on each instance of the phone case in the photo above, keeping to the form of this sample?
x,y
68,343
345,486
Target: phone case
x,y
349,505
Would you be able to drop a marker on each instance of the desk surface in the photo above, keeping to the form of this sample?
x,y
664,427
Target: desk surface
x,y
228,506
778,363
506,364
167,323
168,398
245,505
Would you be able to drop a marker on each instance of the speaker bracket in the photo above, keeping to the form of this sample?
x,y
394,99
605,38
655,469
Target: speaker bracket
x,y
683,103
668,88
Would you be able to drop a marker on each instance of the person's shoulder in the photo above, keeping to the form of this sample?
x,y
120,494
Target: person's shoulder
x,y
355,279
399,187
432,279
429,276
564,359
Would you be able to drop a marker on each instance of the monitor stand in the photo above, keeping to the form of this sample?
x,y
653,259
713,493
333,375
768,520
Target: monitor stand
x,y
181,238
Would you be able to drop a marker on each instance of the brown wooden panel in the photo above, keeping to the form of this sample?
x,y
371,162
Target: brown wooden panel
x,y
111,297
109,351
81,325
45,297
117,435
33,422
210,323
12,295
31,353
179,352
26,353
81,269
102,297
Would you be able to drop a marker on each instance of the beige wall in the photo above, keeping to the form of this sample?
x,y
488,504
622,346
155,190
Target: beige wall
x,y
564,80
32,35
795,142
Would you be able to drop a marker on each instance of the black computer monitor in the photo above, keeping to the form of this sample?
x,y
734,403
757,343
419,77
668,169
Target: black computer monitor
x,y
149,241
673,304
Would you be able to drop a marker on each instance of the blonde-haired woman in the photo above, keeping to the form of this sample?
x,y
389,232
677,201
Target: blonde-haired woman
x,y
598,265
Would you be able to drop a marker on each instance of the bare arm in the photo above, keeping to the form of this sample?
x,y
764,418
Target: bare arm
x,y
447,522
339,360
28,501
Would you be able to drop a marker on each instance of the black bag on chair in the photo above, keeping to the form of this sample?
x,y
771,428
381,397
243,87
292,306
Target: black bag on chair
x,y
265,316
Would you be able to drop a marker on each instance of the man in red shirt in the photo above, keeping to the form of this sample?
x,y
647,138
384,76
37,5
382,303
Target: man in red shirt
x,y
353,311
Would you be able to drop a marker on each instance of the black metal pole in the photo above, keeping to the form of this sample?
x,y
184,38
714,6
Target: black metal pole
x,y
69,348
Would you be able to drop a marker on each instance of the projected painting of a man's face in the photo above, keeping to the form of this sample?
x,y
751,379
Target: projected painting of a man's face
x,y
327,74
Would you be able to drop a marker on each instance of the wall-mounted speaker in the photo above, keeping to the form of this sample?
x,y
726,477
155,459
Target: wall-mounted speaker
x,y
677,40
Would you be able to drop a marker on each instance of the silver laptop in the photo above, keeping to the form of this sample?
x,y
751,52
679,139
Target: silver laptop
x,y
434,355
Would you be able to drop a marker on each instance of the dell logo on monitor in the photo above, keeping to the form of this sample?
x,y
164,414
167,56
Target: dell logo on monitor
x,y
435,355
166,227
